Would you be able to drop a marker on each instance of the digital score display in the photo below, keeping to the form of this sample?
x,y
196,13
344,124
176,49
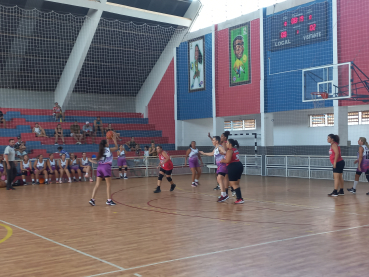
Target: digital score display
x,y
299,27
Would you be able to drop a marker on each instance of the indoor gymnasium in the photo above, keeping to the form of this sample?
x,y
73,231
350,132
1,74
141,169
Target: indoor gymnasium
x,y
184,138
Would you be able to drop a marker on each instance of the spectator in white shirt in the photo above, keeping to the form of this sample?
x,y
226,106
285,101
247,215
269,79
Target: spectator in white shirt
x,y
88,132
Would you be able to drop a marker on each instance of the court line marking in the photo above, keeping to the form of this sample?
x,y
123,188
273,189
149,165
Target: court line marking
x,y
138,275
8,234
233,249
66,246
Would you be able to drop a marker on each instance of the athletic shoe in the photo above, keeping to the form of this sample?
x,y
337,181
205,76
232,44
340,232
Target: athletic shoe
x,y
111,203
46,183
223,198
334,193
91,180
233,193
56,143
125,177
60,181
193,185
367,193
239,201
69,181
79,180
217,187
121,176
172,187
197,184
10,188
37,183
86,175
92,202
341,192
33,182
352,190
25,184
157,190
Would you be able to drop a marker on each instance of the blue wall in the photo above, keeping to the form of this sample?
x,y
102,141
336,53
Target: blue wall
x,y
283,91
194,105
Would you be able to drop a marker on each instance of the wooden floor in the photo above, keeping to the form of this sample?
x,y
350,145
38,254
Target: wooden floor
x,y
287,227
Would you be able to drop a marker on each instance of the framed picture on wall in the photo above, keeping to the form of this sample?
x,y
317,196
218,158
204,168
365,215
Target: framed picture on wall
x,y
239,55
196,68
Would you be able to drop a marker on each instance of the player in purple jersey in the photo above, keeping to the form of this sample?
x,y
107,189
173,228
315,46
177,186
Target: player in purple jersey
x,y
194,159
222,172
105,160
122,162
362,161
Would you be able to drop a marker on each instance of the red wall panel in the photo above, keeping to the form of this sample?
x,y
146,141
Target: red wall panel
x,y
161,106
353,38
243,99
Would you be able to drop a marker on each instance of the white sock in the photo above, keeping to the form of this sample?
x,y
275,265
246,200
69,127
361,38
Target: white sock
x,y
196,180
33,180
24,180
223,194
125,174
80,178
355,184
56,179
36,180
120,174
45,180
70,179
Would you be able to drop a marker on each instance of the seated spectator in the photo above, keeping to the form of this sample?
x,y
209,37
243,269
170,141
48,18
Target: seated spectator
x,y
27,170
98,124
59,134
2,119
75,132
88,132
152,149
2,168
57,112
39,131
61,152
110,128
138,149
20,148
131,144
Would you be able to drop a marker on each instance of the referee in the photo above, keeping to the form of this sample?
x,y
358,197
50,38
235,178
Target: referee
x,y
11,169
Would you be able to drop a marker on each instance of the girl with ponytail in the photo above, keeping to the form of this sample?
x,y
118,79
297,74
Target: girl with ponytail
x,y
338,164
362,161
234,167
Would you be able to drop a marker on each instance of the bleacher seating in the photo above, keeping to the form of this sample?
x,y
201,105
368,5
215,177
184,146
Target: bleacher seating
x,y
21,122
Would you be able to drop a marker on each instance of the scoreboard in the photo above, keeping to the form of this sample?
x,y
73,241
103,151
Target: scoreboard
x,y
299,27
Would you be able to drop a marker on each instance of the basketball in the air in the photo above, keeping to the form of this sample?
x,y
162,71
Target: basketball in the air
x,y
109,135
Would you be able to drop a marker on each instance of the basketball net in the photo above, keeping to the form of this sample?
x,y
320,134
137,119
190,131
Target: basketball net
x,y
319,99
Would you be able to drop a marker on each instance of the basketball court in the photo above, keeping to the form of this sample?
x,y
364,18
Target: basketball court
x,y
184,233
123,88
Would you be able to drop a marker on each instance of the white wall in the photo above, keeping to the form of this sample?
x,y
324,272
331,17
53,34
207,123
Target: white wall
x,y
195,129
22,99
292,128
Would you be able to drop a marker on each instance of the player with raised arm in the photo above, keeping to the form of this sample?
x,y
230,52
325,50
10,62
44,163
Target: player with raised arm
x,y
219,153
166,168
193,162
105,160
362,161
122,162
234,167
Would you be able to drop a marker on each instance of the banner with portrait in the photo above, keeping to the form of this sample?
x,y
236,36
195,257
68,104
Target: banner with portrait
x,y
239,55
196,58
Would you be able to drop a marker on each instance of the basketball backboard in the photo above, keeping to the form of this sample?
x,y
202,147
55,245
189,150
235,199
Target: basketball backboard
x,y
334,80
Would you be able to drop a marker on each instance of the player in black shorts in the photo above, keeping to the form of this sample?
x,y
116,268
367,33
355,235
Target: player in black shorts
x,y
234,167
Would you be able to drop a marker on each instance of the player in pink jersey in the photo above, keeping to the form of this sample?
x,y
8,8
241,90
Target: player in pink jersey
x,y
362,161
338,164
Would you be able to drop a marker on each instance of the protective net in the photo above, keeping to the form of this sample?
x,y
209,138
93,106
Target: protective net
x,y
46,57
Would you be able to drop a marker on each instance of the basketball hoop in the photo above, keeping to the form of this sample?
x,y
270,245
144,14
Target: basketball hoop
x,y
319,98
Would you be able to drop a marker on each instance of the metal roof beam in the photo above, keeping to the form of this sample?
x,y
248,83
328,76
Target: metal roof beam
x,y
128,11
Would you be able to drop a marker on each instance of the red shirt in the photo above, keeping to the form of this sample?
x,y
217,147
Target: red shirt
x,y
56,109
235,156
168,165
332,154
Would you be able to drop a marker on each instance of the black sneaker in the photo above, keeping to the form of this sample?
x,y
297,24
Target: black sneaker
x,y
367,193
37,183
121,176
334,193
47,182
341,192
157,190
217,187
33,183
352,190
110,203
10,188
172,187
92,202
125,177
